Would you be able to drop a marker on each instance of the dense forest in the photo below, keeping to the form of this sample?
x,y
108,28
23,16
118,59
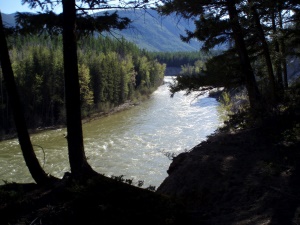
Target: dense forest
x,y
262,37
179,59
111,72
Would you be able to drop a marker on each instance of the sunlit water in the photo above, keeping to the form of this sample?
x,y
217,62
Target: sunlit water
x,y
132,143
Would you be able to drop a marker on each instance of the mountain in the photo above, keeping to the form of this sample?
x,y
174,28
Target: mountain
x,y
8,19
153,32
148,30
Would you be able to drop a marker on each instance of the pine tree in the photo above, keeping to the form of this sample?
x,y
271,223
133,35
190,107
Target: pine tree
x,y
250,24
31,160
72,25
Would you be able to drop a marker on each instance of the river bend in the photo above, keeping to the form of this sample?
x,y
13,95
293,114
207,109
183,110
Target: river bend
x,y
132,143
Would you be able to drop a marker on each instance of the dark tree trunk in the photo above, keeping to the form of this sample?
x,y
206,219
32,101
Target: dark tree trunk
x,y
284,64
77,158
278,67
32,162
282,46
251,85
266,52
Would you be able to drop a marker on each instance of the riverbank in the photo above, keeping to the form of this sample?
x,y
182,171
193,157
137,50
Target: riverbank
x,y
245,173
241,176
237,176
125,106
94,116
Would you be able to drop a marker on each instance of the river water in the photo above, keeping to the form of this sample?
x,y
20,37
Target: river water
x,y
132,143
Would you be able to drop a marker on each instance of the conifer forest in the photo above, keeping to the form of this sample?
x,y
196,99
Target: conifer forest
x,y
112,71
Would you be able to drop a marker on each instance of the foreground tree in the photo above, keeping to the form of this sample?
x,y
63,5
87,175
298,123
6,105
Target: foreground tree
x,y
262,38
77,158
238,35
280,17
30,158
213,28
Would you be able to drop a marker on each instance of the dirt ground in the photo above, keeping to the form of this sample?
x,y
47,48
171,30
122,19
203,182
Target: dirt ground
x,y
99,200
249,176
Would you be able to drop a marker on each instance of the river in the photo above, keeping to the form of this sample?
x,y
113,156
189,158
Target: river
x,y
132,143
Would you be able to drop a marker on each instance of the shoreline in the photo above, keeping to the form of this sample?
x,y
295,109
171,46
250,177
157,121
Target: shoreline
x,y
214,93
233,177
94,116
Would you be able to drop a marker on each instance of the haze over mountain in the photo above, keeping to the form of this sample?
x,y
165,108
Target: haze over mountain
x,y
8,19
148,30
153,32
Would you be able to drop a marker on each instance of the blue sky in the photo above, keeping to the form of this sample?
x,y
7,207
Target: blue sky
x,y
12,6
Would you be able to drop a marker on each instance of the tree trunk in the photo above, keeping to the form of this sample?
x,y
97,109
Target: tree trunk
x,y
251,85
31,161
77,158
278,67
283,53
266,52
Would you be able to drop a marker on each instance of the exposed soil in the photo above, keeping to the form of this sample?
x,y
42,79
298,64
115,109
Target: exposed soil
x,y
249,176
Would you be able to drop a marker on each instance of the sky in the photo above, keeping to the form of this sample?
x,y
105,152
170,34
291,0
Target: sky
x,y
12,6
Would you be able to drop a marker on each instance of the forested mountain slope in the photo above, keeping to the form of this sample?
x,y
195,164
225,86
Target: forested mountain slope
x,y
8,19
155,33
149,30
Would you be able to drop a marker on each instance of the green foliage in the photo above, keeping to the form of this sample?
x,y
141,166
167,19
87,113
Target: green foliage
x,y
139,183
86,94
170,155
177,59
198,68
226,103
262,32
292,135
110,73
151,188
233,103
52,23
238,121
292,97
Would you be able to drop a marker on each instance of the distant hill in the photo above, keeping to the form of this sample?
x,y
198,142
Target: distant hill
x,y
148,30
8,19
155,33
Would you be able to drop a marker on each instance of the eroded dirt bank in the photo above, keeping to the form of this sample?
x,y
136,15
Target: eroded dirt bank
x,y
244,177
